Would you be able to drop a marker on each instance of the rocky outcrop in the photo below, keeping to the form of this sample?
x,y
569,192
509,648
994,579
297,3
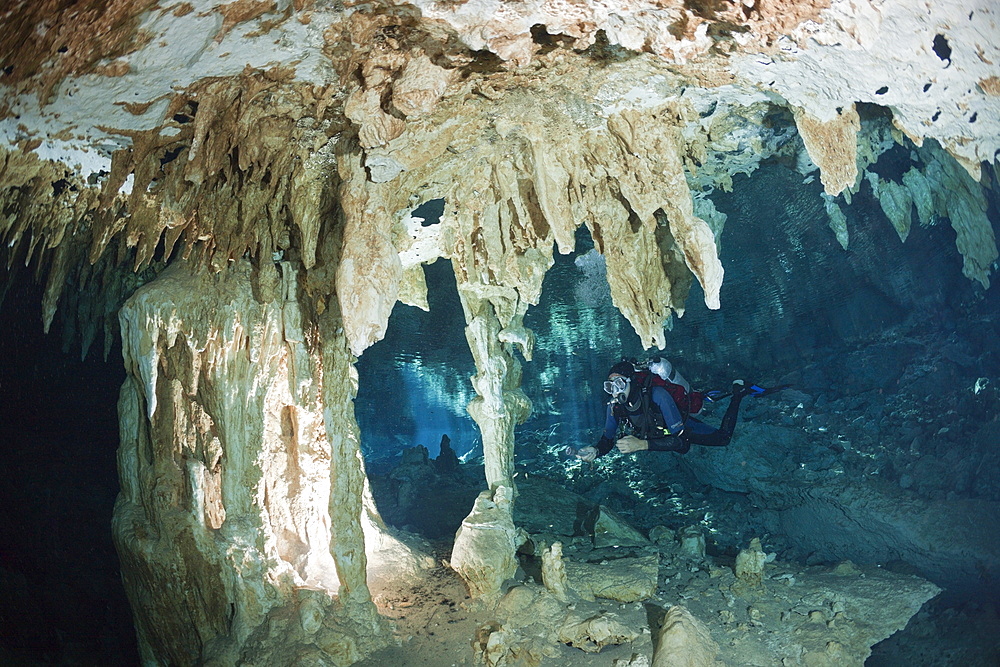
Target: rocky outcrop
x,y
834,518
701,610
531,623
630,580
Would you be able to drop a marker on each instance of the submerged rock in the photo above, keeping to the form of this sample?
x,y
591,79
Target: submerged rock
x,y
684,641
946,540
531,624
610,530
485,544
750,564
623,580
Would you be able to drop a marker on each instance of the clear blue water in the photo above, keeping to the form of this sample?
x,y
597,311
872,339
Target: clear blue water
x,y
792,297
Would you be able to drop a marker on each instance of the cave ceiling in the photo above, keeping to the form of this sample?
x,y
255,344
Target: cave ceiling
x,y
306,132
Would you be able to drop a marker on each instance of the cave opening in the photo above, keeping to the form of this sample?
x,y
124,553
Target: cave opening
x,y
941,47
61,594
419,373
413,389
883,343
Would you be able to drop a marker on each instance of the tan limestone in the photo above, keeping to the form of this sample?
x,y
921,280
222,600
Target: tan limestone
x,y
684,641
241,478
832,145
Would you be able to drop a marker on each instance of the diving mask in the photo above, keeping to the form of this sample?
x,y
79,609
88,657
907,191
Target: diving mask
x,y
617,387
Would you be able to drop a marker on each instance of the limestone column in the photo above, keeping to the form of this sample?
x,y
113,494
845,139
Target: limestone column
x,y
236,441
500,404
486,543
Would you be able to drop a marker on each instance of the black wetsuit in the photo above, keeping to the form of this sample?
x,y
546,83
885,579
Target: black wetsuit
x,y
660,436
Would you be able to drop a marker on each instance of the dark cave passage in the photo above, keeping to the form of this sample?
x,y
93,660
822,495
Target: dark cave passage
x,y
61,596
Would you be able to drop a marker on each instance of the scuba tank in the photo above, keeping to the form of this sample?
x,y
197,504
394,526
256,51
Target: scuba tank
x,y
662,367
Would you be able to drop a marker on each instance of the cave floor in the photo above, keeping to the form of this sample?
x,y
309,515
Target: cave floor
x,y
436,625
434,621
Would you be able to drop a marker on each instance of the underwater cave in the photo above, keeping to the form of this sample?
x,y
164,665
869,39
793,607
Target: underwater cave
x,y
636,335
888,356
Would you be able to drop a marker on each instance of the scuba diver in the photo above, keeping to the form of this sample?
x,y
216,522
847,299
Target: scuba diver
x,y
658,407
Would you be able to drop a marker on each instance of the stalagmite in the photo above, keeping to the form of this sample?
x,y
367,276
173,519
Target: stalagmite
x,y
554,572
684,641
485,545
750,564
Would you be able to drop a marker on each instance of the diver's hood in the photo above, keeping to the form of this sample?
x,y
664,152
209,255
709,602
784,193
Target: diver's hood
x,y
630,399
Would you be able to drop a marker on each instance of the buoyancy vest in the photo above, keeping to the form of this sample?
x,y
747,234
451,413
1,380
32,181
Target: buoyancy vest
x,y
688,402
651,421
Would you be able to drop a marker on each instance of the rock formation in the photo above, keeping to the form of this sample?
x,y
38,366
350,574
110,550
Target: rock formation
x,y
753,609
236,469
684,640
955,551
244,175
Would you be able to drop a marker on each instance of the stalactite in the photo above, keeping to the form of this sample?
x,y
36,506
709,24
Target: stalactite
x,y
832,145
956,195
236,169
938,186
896,201
369,271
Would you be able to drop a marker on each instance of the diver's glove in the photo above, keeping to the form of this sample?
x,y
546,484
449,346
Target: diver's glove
x,y
604,446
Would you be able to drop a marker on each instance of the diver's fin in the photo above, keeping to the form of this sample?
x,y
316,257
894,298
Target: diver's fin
x,y
757,390
754,390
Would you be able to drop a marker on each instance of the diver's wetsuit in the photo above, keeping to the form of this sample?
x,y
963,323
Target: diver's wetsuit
x,y
667,419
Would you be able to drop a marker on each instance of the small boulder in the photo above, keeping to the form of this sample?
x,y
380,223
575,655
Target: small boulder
x,y
610,530
623,580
